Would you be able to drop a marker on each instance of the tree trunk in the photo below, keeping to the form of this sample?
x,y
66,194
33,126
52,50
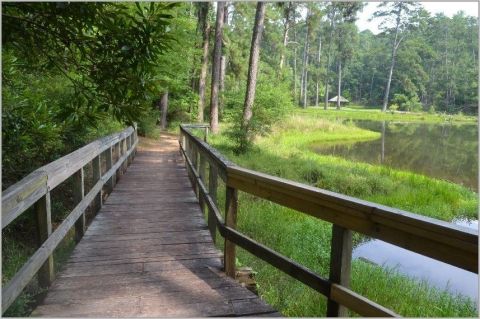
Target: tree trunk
x,y
164,110
392,63
286,27
223,68
253,64
302,78
339,86
329,53
305,79
295,66
319,55
304,90
217,54
203,72
371,88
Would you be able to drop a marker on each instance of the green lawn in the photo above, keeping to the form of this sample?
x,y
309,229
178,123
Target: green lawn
x,y
356,112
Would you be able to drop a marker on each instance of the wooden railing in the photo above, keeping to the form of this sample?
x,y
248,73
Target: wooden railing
x,y
35,190
440,240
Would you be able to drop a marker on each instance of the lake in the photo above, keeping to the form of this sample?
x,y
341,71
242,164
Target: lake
x,y
437,273
443,151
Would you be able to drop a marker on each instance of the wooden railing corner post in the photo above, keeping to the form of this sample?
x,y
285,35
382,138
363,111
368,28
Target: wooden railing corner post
x,y
43,212
79,194
340,266
231,206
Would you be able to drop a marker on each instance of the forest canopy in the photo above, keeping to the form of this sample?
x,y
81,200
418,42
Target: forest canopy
x,y
74,71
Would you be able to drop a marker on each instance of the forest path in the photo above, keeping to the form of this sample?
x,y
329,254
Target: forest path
x,y
148,252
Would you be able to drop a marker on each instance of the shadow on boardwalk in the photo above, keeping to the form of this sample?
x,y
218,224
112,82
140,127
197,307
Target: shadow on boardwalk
x,y
148,252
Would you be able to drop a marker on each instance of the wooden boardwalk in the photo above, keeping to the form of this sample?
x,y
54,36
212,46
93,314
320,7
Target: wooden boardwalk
x,y
148,252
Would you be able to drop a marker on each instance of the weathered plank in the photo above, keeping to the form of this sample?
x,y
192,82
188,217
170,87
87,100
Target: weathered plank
x,y
148,253
437,239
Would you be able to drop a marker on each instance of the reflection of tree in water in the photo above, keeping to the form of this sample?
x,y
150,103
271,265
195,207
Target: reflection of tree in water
x,y
444,151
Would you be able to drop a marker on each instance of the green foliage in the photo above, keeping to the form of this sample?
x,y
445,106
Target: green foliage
x,y
272,102
148,123
106,51
406,103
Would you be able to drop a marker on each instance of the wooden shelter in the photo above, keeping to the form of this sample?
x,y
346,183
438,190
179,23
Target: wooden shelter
x,y
342,99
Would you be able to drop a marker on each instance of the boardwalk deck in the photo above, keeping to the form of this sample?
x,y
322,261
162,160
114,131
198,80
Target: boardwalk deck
x,y
148,252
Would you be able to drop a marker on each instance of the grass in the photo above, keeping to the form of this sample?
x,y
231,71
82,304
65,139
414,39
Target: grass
x,y
356,112
285,152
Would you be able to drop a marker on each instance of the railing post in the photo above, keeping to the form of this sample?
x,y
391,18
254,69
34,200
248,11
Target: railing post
x,y
205,134
46,274
119,170
212,191
111,181
202,172
97,172
125,149
193,158
78,195
340,266
231,204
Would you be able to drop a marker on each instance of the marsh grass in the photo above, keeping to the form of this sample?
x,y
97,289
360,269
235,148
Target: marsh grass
x,y
286,153
356,112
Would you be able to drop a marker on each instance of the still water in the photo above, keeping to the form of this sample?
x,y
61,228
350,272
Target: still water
x,y
443,151
438,274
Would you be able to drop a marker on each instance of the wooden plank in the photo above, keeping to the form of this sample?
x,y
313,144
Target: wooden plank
x,y
202,166
212,191
213,156
78,195
358,303
231,205
109,157
97,173
15,286
340,266
21,195
142,268
280,262
436,239
46,273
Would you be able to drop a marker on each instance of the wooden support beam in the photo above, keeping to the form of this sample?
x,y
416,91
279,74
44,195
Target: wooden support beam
x,y
111,182
340,266
212,191
43,212
97,173
78,195
231,205
119,155
202,172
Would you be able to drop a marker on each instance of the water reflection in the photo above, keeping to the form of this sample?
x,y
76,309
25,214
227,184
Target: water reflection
x,y
439,274
442,151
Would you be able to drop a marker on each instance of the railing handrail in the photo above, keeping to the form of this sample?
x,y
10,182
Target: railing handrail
x,y
23,194
437,239
34,189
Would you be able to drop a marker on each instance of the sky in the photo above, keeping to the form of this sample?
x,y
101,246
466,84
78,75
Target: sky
x,y
448,8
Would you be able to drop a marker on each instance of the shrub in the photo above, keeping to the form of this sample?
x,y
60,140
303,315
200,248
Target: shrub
x,y
272,102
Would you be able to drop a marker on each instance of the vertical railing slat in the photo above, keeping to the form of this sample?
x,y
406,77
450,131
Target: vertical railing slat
x,y
212,191
97,172
340,266
78,195
43,212
231,205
